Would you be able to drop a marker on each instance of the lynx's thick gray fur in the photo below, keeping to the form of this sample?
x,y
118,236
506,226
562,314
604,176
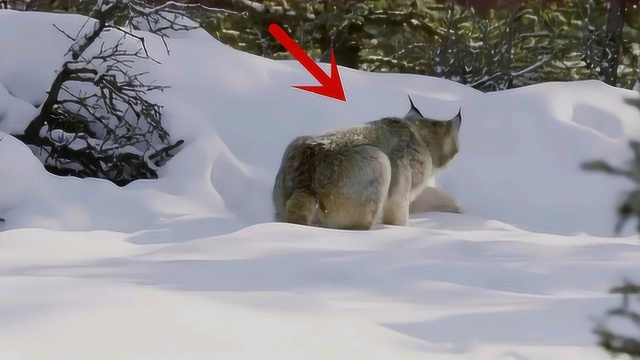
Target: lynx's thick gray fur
x,y
352,178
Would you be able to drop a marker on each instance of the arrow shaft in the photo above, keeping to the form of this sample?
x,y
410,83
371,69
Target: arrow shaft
x,y
298,53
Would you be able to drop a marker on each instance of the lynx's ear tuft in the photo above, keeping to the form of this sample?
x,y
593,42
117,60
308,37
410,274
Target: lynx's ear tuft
x,y
413,111
456,121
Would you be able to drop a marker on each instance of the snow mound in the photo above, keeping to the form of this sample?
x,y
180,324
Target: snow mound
x,y
520,149
191,265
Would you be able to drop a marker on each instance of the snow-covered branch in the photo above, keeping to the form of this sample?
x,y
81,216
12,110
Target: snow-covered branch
x,y
97,120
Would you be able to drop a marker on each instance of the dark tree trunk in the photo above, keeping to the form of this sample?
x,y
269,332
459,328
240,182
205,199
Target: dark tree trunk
x,y
346,51
346,44
612,49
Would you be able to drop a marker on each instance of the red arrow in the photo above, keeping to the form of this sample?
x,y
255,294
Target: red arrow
x,y
330,86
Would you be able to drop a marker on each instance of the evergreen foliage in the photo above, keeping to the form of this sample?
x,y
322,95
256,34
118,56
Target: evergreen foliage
x,y
518,44
627,315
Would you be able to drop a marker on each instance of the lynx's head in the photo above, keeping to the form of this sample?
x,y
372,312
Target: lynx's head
x,y
441,136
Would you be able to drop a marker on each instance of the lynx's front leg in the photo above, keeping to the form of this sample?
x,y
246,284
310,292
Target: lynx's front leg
x,y
432,199
396,208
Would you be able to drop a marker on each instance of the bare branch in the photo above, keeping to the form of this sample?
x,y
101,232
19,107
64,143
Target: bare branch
x,y
64,33
97,120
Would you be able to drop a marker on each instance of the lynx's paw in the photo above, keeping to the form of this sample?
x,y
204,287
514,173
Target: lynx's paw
x,y
449,208
432,199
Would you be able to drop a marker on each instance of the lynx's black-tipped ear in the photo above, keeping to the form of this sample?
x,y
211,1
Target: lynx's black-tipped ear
x,y
414,110
456,121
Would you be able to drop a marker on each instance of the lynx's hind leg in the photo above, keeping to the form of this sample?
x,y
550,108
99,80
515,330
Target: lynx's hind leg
x,y
300,208
349,214
289,175
353,194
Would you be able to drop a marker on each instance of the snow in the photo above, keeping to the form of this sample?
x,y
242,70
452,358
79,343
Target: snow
x,y
190,266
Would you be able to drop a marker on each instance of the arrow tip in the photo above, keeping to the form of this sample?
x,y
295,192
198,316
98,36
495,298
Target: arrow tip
x,y
335,79
329,86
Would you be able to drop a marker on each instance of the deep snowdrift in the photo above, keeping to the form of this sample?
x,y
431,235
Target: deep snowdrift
x,y
185,266
520,149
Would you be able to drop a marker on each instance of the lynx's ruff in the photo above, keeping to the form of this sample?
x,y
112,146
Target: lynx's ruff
x,y
353,177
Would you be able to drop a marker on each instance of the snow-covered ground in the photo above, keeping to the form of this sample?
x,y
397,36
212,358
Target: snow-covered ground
x,y
190,266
